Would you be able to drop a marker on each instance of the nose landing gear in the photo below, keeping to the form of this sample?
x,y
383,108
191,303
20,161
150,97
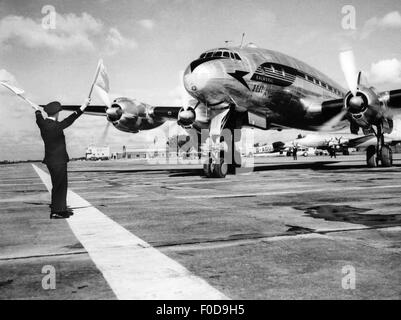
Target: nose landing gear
x,y
222,156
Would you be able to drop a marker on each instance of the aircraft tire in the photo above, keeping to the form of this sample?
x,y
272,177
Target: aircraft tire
x,y
220,169
371,157
386,156
208,170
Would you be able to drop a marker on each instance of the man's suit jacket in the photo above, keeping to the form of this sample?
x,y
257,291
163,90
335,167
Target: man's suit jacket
x,y
53,137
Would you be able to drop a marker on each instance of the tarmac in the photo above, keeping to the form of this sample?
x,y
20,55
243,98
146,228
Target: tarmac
x,y
316,228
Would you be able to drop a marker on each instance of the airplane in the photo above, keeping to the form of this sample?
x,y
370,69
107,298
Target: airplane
x,y
341,140
247,86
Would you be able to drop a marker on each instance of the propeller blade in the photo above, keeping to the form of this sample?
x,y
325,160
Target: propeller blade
x,y
105,133
348,66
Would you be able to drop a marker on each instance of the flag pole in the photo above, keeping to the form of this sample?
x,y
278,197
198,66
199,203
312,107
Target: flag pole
x,y
19,93
95,78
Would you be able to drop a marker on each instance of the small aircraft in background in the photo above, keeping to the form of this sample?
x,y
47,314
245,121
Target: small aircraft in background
x,y
339,141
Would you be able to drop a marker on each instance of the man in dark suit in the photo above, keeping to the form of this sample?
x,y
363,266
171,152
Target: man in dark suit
x,y
56,156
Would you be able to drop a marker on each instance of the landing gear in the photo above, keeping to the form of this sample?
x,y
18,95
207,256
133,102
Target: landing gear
x,y
220,169
381,153
208,169
371,157
222,156
386,156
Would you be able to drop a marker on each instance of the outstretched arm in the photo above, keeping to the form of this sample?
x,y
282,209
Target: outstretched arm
x,y
39,118
71,118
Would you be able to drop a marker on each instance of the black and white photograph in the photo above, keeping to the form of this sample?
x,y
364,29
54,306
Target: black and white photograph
x,y
217,152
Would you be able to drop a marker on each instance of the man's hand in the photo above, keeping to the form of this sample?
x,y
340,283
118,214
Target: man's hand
x,y
86,104
34,106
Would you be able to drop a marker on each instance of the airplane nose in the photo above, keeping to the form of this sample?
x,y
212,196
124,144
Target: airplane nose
x,y
197,79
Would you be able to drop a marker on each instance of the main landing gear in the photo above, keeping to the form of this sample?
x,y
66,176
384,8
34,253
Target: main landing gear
x,y
381,153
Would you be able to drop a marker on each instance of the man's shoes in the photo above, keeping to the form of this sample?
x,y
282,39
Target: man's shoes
x,y
64,214
69,211
59,215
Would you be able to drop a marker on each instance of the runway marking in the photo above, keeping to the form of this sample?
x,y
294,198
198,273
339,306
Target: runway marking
x,y
270,193
132,267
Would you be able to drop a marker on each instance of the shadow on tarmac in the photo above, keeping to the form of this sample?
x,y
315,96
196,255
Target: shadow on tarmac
x,y
316,166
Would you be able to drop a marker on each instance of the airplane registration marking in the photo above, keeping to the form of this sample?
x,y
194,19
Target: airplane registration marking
x,y
132,267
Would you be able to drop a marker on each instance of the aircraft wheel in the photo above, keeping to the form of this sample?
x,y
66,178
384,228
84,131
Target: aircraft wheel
x,y
371,156
386,156
220,169
208,170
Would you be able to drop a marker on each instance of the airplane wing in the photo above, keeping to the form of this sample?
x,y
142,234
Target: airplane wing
x,y
367,140
353,143
91,109
159,112
394,100
332,108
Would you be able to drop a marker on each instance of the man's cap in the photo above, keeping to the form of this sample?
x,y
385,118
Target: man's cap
x,y
52,108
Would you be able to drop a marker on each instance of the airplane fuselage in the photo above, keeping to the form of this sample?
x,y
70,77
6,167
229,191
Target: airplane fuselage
x,y
284,90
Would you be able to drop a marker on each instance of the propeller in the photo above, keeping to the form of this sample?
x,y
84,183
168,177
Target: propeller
x,y
348,66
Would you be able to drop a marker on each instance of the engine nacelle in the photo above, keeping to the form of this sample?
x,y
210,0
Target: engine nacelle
x,y
186,117
365,108
130,115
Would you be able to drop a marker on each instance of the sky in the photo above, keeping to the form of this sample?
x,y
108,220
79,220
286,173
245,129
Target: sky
x,y
146,44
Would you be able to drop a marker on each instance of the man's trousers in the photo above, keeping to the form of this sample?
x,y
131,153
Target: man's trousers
x,y
58,173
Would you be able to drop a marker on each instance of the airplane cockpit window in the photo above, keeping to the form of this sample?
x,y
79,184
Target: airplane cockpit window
x,y
220,53
237,56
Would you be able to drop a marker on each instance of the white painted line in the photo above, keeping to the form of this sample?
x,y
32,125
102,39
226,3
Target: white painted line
x,y
273,193
132,268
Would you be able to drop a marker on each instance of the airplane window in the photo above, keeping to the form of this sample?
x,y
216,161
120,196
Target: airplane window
x,y
237,56
232,55
202,56
209,54
226,54
217,54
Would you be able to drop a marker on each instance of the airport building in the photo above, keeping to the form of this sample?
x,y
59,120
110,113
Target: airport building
x,y
97,153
